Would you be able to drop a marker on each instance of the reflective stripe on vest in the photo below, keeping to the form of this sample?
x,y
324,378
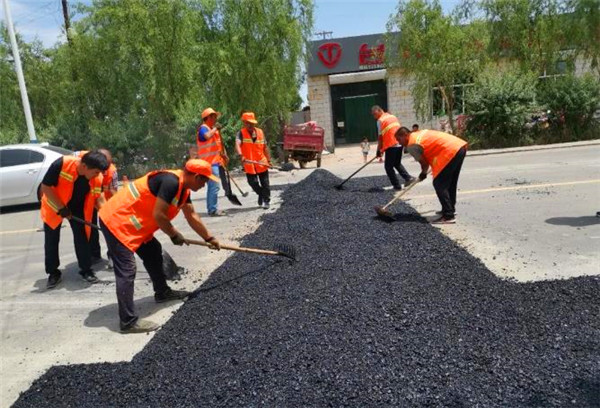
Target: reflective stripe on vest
x,y
64,190
254,151
129,213
210,150
388,124
439,148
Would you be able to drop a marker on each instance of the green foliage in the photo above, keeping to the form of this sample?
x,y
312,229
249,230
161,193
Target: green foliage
x,y
138,73
572,103
498,105
434,50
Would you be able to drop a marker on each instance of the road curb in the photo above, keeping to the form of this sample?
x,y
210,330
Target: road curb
x,y
519,149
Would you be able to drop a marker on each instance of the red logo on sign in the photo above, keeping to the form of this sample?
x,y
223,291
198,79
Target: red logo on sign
x,y
330,54
371,55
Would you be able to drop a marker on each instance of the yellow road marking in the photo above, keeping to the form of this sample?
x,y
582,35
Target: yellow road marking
x,y
25,230
522,187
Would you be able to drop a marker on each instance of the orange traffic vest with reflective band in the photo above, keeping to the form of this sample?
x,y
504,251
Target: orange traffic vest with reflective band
x,y
439,148
128,214
210,150
107,176
254,151
388,125
64,191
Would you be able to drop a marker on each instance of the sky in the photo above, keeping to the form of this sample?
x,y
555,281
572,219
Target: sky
x,y
42,19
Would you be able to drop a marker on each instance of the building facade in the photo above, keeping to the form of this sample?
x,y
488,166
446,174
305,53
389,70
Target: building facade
x,y
346,77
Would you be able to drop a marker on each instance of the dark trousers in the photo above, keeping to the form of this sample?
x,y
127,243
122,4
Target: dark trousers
x,y
225,181
82,247
446,183
393,162
261,186
95,237
125,270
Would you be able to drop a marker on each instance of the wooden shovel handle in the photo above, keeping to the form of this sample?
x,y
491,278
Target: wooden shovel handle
x,y
233,248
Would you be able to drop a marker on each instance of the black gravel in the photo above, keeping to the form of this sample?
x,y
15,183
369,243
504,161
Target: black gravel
x,y
373,314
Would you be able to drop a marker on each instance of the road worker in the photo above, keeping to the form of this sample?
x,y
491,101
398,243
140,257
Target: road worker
x,y
211,149
129,221
445,154
72,186
110,180
387,125
252,146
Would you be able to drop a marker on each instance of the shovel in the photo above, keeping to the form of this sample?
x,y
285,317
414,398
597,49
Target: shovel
x,y
228,193
282,250
263,164
242,192
340,186
384,212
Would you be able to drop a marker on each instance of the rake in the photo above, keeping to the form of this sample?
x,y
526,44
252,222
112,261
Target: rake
x,y
340,186
284,250
384,212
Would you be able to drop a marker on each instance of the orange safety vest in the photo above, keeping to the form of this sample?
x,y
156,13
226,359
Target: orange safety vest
x,y
388,125
128,214
107,176
210,150
64,191
439,148
254,151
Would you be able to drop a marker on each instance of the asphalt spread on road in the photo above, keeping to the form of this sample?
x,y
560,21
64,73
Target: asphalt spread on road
x,y
373,314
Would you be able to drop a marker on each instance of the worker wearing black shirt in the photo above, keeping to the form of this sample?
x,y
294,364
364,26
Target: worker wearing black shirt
x,y
72,186
130,219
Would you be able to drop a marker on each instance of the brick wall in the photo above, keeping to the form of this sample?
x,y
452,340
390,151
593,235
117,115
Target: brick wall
x,y
400,100
319,99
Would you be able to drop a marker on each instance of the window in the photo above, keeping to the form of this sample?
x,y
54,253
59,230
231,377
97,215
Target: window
x,y
18,157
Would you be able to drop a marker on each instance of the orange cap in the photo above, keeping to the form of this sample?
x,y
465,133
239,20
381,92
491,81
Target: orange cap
x,y
249,117
201,167
209,111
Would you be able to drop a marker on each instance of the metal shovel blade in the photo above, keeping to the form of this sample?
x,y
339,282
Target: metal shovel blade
x,y
234,200
382,212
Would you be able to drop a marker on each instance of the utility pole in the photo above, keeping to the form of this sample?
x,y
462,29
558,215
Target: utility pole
x,y
65,8
20,77
324,34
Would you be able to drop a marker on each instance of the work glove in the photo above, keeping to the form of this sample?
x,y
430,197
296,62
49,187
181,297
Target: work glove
x,y
378,154
218,126
422,176
215,244
64,212
178,239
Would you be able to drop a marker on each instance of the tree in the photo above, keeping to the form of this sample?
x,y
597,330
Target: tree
x,y
435,51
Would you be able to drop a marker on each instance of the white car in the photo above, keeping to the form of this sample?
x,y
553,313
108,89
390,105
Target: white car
x,y
22,169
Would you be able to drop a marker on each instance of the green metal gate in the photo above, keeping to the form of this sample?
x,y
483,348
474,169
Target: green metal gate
x,y
359,122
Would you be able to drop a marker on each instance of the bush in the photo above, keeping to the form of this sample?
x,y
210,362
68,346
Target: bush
x,y
498,105
572,103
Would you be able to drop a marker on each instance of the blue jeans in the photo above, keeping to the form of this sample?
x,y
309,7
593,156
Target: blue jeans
x,y
212,192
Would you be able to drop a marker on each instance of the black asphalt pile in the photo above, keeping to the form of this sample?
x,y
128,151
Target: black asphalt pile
x,y
373,314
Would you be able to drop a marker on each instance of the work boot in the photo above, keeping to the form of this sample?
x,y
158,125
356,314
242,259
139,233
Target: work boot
x,y
171,294
266,205
140,326
410,181
89,276
397,188
54,279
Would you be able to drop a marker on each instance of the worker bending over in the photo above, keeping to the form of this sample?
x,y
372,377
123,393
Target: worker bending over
x,y
129,221
387,125
110,185
72,186
445,154
252,146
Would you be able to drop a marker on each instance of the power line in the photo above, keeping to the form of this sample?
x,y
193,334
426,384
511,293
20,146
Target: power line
x,y
324,34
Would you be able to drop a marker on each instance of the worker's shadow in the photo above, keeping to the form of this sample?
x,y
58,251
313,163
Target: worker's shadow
x,y
108,315
241,210
72,281
583,221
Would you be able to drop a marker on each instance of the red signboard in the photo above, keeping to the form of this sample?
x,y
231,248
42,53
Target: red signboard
x,y
371,55
330,54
